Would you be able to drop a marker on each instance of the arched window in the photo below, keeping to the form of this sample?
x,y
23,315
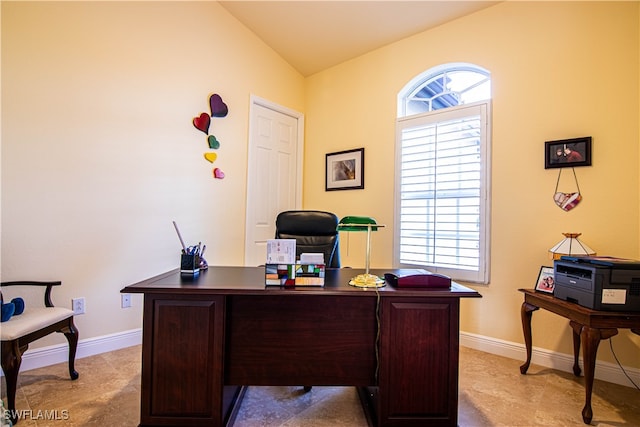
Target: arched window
x,y
443,87
442,184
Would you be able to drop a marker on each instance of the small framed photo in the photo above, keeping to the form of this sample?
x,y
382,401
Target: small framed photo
x,y
545,282
344,170
567,153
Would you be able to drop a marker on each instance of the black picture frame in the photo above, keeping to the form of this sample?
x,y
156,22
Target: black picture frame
x,y
344,170
567,153
546,281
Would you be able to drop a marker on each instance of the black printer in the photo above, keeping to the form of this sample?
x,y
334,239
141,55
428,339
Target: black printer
x,y
600,283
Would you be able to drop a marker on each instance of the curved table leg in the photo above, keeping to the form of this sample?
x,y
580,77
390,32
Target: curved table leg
x,y
577,330
590,340
525,312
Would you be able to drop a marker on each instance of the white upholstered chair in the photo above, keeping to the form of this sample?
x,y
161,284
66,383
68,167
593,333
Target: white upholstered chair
x,y
34,323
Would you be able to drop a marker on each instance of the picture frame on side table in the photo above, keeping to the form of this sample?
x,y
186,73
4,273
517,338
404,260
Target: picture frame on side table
x,y
344,170
567,153
546,282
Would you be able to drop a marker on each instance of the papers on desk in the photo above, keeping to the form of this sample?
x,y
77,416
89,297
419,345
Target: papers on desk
x,y
313,258
281,251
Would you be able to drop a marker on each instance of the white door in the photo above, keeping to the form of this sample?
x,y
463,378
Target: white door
x,y
274,179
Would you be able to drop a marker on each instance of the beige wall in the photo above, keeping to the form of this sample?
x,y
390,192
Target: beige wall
x,y
559,70
99,154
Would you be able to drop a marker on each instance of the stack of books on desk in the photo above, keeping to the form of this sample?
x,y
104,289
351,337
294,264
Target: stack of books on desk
x,y
308,271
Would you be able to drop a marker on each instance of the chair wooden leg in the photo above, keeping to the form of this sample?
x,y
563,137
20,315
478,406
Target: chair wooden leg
x,y
71,333
11,361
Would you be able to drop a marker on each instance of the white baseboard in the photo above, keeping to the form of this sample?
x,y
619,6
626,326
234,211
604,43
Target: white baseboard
x,y
53,354
605,371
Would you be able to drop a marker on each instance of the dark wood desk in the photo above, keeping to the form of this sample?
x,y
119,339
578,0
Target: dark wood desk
x,y
204,339
589,327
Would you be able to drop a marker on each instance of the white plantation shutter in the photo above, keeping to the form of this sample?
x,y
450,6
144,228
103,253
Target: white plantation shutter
x,y
441,190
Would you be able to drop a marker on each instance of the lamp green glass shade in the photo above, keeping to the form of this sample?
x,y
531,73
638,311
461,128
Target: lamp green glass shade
x,y
357,223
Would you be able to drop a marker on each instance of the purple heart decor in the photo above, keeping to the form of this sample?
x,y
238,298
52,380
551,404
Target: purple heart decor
x,y
218,108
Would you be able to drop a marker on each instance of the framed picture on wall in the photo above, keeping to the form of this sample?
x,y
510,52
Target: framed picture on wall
x,y
545,282
344,170
567,153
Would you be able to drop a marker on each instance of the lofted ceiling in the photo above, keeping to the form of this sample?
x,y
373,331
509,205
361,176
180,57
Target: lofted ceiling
x,y
315,35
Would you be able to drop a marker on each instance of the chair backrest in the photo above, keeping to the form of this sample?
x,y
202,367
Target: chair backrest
x,y
314,231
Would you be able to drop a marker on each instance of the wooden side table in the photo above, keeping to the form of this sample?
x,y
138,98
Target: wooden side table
x,y
589,327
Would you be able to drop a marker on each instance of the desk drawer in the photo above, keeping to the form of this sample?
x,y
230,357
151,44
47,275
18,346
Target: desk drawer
x,y
300,340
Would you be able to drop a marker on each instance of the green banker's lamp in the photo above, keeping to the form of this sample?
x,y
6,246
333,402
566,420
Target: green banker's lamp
x,y
363,223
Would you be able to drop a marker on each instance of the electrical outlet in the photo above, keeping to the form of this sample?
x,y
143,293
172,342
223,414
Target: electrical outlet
x,y
77,304
125,300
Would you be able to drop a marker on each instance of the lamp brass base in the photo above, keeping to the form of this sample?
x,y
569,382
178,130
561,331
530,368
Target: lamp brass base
x,y
367,281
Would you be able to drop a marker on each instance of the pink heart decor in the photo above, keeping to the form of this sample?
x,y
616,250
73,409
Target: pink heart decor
x,y
202,122
218,108
218,174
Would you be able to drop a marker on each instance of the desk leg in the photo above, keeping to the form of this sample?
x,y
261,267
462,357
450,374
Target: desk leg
x,y
577,329
525,312
590,340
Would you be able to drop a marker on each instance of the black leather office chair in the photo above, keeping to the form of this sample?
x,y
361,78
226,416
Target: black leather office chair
x,y
314,231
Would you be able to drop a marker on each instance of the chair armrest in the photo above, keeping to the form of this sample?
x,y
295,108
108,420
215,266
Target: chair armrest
x,y
47,292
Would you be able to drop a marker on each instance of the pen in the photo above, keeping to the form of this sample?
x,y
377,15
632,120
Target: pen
x,y
184,248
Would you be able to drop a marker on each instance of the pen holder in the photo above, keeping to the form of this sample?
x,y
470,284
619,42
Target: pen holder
x,y
189,264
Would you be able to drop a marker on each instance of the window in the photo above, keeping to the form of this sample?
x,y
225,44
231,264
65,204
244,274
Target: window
x,y
442,184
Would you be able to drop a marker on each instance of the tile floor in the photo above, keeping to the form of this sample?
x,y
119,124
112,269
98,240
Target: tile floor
x,y
492,393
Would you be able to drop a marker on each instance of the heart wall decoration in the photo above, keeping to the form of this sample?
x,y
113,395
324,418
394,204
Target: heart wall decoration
x,y
202,122
218,107
210,157
567,201
213,142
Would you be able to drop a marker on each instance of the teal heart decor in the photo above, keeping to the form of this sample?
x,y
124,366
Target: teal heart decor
x,y
213,142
